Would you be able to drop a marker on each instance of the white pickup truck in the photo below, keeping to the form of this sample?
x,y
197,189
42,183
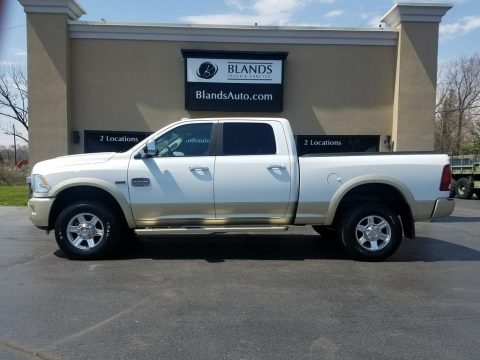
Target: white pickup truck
x,y
222,175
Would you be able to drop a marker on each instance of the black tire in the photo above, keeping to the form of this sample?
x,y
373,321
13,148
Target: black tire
x,y
95,236
380,240
464,188
452,189
326,232
477,192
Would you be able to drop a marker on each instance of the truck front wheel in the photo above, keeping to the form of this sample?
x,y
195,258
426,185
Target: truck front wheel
x,y
86,230
371,232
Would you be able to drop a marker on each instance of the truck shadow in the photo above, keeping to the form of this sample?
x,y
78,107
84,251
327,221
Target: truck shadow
x,y
431,250
220,248
460,219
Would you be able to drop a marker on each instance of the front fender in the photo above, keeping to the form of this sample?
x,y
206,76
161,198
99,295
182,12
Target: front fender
x,y
101,184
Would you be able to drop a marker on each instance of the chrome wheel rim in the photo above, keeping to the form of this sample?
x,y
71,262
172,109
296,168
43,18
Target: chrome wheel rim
x,y
85,231
373,232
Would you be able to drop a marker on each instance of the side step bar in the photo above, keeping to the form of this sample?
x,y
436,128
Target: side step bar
x,y
208,230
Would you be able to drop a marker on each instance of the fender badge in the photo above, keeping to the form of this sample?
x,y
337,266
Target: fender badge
x,y
120,182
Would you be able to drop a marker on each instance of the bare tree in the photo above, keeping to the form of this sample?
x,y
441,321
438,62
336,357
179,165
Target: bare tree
x,y
458,105
446,123
8,154
14,98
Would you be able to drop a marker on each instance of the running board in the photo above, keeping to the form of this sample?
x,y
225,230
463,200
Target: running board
x,y
208,230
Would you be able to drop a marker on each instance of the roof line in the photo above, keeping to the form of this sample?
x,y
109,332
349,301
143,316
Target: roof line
x,y
232,34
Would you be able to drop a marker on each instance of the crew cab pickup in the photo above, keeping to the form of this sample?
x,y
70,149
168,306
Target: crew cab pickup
x,y
221,175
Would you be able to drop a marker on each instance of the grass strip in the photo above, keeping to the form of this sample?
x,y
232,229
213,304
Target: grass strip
x,y
14,195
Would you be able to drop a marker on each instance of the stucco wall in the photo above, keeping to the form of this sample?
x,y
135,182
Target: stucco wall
x,y
139,86
130,77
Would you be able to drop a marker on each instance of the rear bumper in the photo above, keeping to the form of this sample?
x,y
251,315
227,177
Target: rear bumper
x,y
39,211
443,207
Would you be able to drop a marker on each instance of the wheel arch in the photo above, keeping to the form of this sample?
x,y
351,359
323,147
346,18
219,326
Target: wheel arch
x,y
75,190
379,190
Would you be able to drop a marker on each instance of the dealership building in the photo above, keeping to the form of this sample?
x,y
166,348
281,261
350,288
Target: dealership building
x,y
103,86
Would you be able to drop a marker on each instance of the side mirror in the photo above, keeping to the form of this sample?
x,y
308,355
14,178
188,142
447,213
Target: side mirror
x,y
150,149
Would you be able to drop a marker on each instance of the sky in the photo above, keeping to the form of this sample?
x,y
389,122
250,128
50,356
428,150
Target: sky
x,y
459,31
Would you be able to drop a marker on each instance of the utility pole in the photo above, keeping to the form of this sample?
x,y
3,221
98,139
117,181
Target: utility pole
x,y
14,146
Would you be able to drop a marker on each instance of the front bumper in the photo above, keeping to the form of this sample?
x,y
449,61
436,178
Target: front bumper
x,y
443,207
39,211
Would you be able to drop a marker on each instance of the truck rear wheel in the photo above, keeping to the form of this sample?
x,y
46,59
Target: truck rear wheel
x,y
371,232
464,189
86,230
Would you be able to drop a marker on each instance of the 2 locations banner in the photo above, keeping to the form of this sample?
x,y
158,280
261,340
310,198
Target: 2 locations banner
x,y
234,81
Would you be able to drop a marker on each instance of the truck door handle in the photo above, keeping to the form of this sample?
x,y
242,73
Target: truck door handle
x,y
276,167
140,182
198,168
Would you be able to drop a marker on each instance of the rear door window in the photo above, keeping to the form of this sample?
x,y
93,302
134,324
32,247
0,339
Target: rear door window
x,y
248,139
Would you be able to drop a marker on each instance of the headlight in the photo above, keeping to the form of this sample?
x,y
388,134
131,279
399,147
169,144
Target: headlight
x,y
40,185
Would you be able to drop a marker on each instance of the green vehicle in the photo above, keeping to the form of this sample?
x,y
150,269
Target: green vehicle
x,y
466,176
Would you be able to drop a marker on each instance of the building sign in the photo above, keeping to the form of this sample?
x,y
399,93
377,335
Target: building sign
x,y
117,141
234,81
309,144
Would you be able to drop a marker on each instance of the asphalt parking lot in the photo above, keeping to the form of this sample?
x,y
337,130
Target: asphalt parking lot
x,y
283,296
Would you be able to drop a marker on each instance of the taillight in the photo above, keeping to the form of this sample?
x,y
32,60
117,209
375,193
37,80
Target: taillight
x,y
446,178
